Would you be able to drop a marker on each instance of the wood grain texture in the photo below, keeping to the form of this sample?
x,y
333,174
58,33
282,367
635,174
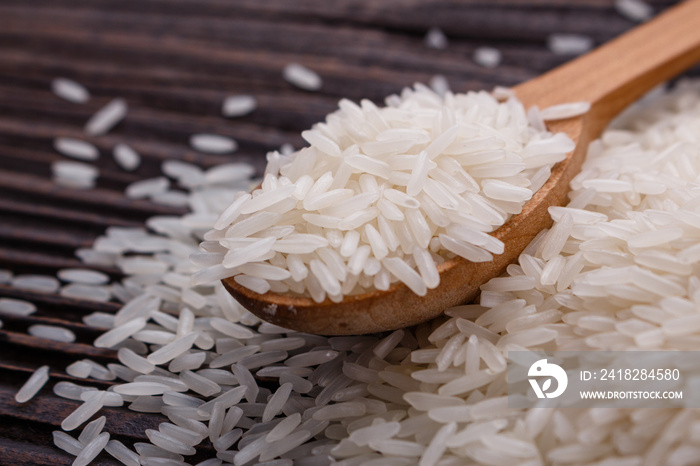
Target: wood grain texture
x,y
174,61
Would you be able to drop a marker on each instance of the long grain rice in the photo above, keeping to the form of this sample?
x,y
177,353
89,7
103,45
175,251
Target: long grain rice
x,y
33,384
79,369
17,307
213,143
70,90
488,57
74,174
83,412
106,118
238,105
88,292
76,149
67,443
436,39
634,10
302,77
563,111
119,451
146,188
126,157
51,332
92,430
41,283
569,44
85,276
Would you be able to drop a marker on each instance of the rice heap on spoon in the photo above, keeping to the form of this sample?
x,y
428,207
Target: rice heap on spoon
x,y
384,195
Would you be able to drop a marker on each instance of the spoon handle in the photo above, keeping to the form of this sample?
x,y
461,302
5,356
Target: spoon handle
x,y
621,71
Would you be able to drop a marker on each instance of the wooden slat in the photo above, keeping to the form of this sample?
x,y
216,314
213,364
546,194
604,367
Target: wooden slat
x,y
367,46
22,451
35,343
502,19
27,260
54,302
50,409
28,209
34,186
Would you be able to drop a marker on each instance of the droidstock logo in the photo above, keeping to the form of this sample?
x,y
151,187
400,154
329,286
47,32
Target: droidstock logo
x,y
542,368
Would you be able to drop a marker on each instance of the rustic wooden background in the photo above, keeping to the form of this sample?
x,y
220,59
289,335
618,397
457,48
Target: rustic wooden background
x,y
174,61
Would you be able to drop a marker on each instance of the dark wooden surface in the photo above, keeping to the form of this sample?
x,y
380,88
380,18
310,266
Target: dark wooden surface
x,y
174,61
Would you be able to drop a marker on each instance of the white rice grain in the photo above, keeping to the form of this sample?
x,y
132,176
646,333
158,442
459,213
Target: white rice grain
x,y
275,404
238,105
33,384
126,157
435,39
74,174
401,270
92,430
67,443
83,412
134,361
634,10
213,144
564,111
79,369
91,450
488,57
41,283
70,90
284,428
17,307
142,388
84,276
147,188
106,118
437,446
199,384
172,350
119,451
302,77
255,284
51,332
569,44
168,443
76,149
70,390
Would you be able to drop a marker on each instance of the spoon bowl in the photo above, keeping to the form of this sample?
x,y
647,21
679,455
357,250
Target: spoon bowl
x,y
609,78
398,306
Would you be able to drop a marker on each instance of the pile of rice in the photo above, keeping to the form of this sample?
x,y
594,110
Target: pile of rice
x,y
618,270
385,194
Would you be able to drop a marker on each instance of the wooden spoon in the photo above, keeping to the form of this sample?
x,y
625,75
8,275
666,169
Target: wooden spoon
x,y
610,78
